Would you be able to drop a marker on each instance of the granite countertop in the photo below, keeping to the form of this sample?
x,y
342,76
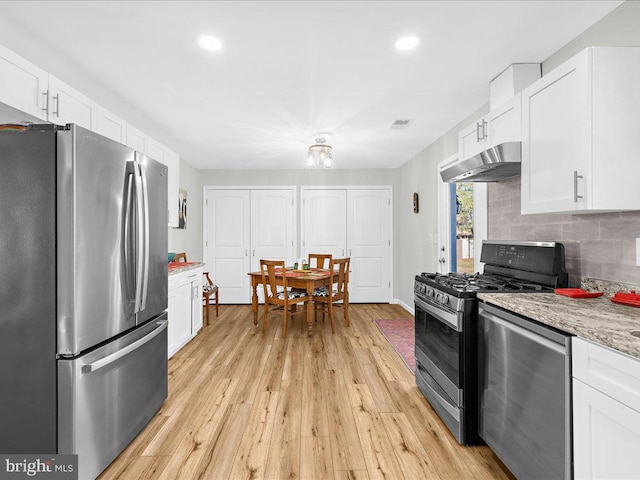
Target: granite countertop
x,y
596,319
179,267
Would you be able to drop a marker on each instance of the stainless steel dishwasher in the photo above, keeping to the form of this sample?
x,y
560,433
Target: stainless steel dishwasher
x,y
525,393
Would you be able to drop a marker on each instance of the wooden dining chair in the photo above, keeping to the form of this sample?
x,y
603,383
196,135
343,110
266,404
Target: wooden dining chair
x,y
283,298
209,289
179,257
324,298
320,258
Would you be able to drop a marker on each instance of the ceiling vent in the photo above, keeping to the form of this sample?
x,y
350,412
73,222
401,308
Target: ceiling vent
x,y
401,124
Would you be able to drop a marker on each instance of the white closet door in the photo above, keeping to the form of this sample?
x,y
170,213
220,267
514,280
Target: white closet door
x,y
228,243
272,226
324,219
369,244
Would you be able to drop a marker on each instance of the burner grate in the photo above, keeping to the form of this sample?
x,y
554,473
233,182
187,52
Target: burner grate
x,y
481,282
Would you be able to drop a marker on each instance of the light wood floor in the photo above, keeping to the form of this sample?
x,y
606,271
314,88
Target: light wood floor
x,y
243,404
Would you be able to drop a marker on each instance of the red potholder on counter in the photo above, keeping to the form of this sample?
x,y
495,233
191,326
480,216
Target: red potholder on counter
x,y
577,293
627,298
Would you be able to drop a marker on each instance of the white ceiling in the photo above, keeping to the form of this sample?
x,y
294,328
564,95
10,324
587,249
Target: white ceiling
x,y
290,69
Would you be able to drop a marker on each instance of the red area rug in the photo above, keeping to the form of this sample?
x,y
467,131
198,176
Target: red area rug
x,y
400,332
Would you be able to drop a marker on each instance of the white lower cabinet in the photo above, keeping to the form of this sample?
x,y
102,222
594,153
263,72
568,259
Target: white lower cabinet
x,y
185,308
606,412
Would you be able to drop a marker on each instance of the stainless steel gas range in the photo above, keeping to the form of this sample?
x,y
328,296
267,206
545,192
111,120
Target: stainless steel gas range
x,y
446,323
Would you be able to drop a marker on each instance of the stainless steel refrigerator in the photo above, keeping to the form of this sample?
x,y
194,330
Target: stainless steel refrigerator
x,y
83,293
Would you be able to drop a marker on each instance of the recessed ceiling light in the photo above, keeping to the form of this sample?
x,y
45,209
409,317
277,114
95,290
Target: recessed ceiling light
x,y
407,43
209,42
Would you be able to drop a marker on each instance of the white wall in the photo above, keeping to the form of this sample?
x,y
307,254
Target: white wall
x,y
417,233
189,240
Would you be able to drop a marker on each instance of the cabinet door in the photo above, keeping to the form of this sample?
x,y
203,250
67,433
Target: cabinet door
x,y
228,242
179,328
504,124
196,303
173,163
324,218
136,139
157,151
606,435
369,245
555,145
111,126
471,140
23,85
272,226
67,105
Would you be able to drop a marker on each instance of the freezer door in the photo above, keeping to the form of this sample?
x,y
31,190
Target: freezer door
x,y
106,397
96,219
154,255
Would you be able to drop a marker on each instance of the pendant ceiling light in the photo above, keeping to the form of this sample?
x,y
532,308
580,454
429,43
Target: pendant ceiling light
x,y
320,154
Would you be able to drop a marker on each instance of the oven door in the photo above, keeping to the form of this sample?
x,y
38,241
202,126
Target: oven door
x,y
438,347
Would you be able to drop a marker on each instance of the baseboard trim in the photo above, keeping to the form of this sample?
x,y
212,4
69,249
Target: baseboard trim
x,y
408,308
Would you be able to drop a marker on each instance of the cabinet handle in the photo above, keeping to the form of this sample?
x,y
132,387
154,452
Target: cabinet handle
x,y
484,129
254,253
575,186
57,111
245,252
478,137
45,109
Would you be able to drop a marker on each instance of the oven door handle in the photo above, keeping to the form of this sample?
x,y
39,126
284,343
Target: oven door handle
x,y
438,314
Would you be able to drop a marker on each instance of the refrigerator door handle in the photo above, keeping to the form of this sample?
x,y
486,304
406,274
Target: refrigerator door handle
x,y
109,359
127,231
145,277
140,236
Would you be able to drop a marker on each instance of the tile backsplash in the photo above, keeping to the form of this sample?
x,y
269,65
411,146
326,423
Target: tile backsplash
x,y
601,246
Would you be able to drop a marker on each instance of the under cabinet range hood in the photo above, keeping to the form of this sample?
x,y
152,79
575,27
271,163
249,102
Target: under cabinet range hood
x,y
494,164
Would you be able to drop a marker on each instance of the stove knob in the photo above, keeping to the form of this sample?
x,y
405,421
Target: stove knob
x,y
430,292
438,297
444,299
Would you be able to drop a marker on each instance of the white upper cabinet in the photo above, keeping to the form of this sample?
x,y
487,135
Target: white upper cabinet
x,y
162,154
500,125
157,151
579,125
67,105
173,163
23,85
30,89
111,126
136,139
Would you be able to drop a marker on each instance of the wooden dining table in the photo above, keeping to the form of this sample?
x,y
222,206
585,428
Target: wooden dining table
x,y
307,280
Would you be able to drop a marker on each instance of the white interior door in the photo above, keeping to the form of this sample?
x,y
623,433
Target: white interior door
x,y
324,219
272,226
228,243
369,235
